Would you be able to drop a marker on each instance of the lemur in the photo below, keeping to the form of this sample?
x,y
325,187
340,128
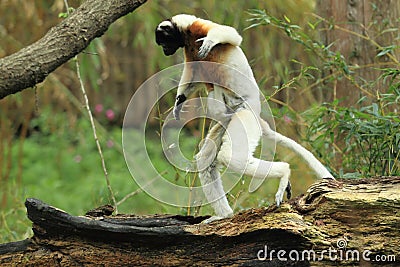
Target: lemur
x,y
232,141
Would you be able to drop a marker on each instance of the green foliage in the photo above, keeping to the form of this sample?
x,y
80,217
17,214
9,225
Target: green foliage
x,y
367,139
66,14
305,36
361,140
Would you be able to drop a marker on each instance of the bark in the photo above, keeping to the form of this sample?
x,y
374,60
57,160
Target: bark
x,y
377,22
32,64
361,214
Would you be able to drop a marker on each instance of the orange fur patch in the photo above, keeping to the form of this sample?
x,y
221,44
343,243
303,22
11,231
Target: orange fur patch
x,y
200,28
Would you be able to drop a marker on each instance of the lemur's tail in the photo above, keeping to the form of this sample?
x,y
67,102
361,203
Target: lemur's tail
x,y
307,156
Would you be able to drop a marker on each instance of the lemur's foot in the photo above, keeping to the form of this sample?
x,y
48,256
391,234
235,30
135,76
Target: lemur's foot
x,y
215,218
280,193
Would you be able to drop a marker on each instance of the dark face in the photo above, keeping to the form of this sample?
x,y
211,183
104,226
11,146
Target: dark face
x,y
169,37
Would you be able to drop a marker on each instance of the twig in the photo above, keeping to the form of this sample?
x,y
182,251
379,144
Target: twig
x,y
96,139
103,163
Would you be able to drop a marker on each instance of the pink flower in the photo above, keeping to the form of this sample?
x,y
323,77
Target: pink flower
x,y
110,114
98,108
78,158
287,119
110,143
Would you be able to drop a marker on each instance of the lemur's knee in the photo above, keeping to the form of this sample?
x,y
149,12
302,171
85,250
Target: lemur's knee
x,y
232,162
280,169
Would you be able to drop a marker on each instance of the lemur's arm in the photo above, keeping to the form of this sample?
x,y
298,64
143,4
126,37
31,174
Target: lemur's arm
x,y
219,34
185,88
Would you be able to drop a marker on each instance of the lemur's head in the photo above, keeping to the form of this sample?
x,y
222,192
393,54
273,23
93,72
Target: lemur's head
x,y
170,35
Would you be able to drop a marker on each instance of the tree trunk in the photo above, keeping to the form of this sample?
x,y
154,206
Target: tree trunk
x,y
337,222
32,64
360,30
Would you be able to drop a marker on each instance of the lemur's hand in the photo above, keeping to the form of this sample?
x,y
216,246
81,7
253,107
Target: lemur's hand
x,y
178,106
206,47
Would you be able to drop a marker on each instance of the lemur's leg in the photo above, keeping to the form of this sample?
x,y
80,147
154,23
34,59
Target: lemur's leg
x,y
209,173
306,155
238,144
213,189
209,147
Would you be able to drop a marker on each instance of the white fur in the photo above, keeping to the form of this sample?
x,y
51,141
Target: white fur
x,y
307,156
183,21
222,34
165,23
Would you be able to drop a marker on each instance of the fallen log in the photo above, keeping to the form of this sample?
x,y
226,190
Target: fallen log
x,y
341,222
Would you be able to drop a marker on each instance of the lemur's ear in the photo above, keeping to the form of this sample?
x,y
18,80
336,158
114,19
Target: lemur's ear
x,y
169,37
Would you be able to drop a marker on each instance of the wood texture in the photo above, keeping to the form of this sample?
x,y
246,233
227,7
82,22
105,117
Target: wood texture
x,y
32,64
362,213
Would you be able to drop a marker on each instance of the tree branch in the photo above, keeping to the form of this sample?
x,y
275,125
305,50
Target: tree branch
x,y
32,64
